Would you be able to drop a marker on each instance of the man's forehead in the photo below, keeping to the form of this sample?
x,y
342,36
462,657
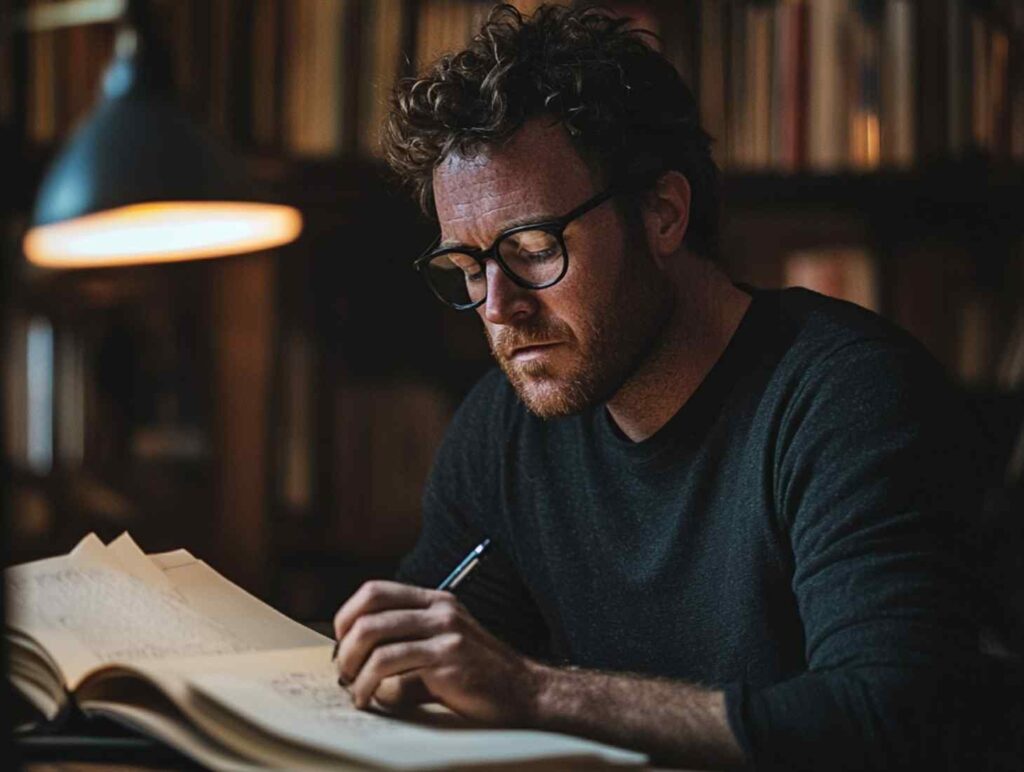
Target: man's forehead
x,y
535,174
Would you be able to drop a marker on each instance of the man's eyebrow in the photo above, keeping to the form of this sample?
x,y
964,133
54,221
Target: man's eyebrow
x,y
514,223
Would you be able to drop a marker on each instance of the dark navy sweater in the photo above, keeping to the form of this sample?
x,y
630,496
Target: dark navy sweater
x,y
791,536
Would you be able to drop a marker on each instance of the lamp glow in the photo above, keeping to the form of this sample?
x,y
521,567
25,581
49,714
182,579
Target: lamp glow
x,y
162,232
139,182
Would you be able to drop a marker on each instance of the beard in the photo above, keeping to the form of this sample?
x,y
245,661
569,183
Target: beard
x,y
615,336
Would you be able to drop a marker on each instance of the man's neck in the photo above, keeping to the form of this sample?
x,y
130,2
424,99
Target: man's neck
x,y
704,321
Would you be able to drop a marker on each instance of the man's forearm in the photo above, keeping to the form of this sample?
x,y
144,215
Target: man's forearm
x,y
672,721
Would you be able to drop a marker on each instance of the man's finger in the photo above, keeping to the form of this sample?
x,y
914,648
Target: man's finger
x,y
376,596
396,659
372,630
402,691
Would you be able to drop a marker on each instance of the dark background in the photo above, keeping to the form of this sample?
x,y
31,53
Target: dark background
x,y
276,413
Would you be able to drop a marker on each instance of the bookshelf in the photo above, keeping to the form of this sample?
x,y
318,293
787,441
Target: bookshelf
x,y
298,379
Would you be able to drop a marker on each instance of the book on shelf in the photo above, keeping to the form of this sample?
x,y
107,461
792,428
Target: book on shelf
x,y
864,88
849,84
382,31
265,49
826,102
789,88
791,84
847,273
387,433
898,139
315,84
975,343
711,91
42,94
167,646
445,26
758,58
296,457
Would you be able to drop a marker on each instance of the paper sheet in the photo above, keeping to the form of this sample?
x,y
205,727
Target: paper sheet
x,y
125,551
175,733
247,617
295,696
87,610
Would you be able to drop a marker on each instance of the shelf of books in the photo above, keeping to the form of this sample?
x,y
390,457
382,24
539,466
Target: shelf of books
x,y
871,149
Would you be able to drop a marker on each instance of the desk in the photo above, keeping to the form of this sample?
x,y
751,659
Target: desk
x,y
85,753
95,767
103,751
153,758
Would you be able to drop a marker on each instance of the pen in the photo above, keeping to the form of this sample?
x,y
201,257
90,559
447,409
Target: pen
x,y
455,578
463,569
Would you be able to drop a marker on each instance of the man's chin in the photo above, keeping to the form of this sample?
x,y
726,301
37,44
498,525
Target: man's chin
x,y
545,395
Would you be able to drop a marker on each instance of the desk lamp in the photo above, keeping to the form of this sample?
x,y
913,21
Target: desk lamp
x,y
138,182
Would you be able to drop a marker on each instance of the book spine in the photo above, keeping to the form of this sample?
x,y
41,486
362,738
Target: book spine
x,y
265,54
899,84
864,89
712,91
739,106
827,122
847,273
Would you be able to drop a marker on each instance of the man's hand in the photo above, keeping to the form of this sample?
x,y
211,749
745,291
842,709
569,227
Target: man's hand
x,y
406,645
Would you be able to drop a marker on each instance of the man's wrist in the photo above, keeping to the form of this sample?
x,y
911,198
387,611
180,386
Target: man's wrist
x,y
540,684
673,721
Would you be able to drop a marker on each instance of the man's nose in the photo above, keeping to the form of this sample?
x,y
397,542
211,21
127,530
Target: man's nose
x,y
506,301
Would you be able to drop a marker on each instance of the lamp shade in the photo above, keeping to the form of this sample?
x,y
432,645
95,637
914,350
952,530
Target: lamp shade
x,y
140,182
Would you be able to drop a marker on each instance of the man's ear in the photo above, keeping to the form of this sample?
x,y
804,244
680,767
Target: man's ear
x,y
667,215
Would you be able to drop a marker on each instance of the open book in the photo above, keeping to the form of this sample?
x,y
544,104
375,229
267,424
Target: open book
x,y
166,645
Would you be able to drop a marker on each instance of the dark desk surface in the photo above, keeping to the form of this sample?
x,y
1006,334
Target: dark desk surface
x,y
83,753
96,765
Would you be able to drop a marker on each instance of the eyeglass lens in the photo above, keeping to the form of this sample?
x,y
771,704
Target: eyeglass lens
x,y
535,257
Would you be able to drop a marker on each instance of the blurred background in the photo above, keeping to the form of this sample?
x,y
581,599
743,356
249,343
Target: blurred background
x,y
276,412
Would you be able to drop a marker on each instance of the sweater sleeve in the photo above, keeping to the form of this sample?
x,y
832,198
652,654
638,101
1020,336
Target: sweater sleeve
x,y
873,482
457,515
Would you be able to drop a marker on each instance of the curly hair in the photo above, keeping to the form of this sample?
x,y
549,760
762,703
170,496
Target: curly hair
x,y
626,109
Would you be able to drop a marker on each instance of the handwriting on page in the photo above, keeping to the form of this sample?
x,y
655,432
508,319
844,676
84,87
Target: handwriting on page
x,y
321,699
117,616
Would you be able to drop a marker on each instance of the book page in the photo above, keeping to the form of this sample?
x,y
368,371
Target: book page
x,y
172,559
134,561
246,616
209,593
126,687
214,596
294,696
173,731
89,613
99,605
89,548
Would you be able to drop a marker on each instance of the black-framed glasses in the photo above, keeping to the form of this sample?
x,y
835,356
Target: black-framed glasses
x,y
533,256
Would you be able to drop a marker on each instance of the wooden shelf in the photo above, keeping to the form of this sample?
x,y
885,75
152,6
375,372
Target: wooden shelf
x,y
972,184
975,182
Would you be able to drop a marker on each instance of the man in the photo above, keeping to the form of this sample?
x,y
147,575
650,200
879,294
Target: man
x,y
723,519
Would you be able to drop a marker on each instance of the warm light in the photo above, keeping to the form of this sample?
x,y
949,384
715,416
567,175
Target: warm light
x,y
162,232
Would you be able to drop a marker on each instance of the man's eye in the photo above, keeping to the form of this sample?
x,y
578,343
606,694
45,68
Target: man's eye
x,y
539,255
